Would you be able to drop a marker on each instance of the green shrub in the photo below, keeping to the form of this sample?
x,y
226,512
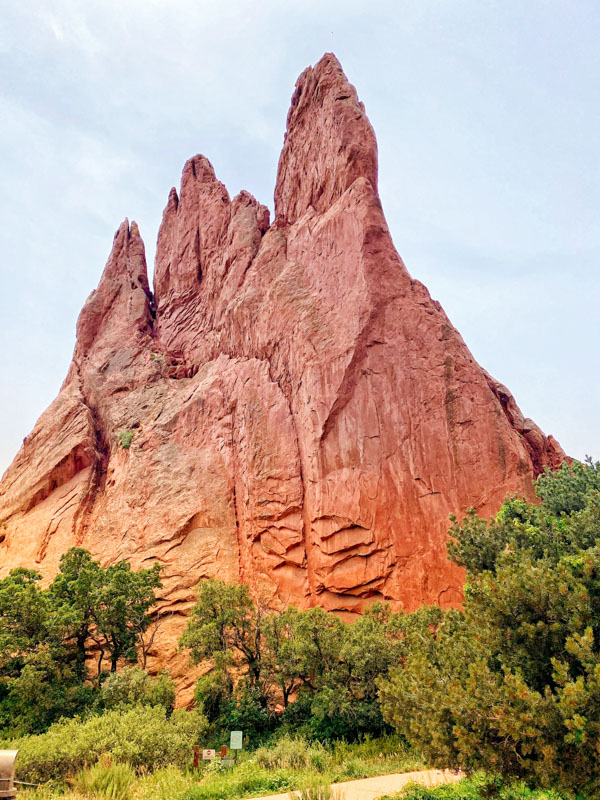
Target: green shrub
x,y
479,787
355,768
291,753
315,791
169,783
105,779
246,780
260,772
143,736
125,439
134,686
53,790
369,749
318,761
245,712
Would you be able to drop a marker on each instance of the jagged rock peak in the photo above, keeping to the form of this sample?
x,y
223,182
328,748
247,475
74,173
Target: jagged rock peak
x,y
197,227
328,144
193,222
200,168
123,299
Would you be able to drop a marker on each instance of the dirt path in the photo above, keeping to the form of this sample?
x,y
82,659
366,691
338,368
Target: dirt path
x,y
371,788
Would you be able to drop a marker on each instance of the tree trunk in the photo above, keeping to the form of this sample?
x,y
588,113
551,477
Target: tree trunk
x,y
80,662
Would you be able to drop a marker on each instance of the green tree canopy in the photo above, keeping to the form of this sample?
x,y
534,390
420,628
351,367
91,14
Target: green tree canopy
x,y
262,660
511,684
49,636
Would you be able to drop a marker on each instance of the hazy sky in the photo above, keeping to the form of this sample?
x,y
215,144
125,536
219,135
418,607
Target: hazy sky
x,y
487,116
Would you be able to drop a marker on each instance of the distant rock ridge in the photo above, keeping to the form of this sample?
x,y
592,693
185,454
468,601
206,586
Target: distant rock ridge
x,y
305,417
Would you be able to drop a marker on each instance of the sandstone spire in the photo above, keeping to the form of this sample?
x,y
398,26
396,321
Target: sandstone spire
x,y
205,244
329,143
121,305
305,417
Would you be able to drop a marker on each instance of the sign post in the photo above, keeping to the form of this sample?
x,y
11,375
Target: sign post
x,y
235,742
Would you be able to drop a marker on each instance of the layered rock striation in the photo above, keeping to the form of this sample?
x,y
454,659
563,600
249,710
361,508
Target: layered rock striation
x,y
305,417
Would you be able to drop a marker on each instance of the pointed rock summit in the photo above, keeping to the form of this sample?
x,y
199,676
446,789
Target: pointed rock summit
x,y
329,143
305,417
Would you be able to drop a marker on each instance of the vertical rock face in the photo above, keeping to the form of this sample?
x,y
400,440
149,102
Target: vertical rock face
x,y
305,418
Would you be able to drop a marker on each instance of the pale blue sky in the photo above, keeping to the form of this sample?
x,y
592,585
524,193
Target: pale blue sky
x,y
487,118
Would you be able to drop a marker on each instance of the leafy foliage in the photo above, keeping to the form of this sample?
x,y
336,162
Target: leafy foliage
x,y
287,765
475,788
144,737
48,637
296,764
125,439
512,684
262,659
133,686
106,780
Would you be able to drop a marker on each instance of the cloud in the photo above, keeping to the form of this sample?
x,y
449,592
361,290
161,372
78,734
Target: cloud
x,y
486,116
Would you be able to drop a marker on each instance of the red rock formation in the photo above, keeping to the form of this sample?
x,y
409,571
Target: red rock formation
x,y
305,416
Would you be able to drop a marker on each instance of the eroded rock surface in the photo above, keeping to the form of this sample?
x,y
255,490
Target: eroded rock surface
x,y
305,417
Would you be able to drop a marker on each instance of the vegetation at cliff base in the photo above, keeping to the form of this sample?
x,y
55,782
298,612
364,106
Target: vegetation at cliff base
x,y
507,688
49,637
511,683
299,671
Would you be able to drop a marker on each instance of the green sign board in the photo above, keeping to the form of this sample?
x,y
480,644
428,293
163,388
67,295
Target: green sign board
x,y
235,742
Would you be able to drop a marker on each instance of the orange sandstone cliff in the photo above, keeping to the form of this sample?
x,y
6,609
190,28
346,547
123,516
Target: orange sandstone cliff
x,y
305,417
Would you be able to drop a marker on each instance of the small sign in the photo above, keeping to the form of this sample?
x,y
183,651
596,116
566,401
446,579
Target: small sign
x,y
235,742
208,755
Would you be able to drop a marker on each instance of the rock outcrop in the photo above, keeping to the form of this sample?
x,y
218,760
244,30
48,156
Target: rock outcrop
x,y
305,417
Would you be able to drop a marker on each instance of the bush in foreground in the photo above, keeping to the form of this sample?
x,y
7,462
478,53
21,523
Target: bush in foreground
x,y
142,736
259,772
293,753
475,788
105,779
